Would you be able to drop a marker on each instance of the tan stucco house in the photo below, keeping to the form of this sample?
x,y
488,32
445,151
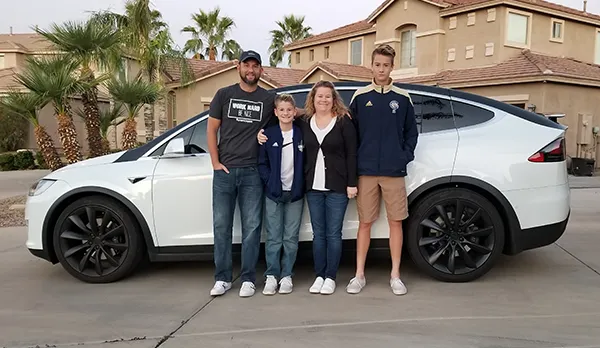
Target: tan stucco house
x,y
531,53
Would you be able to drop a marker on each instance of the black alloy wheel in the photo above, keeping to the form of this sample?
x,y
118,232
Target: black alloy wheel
x,y
455,235
97,241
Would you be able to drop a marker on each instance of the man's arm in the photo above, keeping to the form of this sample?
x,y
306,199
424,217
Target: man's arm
x,y
411,132
214,123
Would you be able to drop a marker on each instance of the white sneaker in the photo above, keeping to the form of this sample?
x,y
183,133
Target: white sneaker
x,y
270,286
285,285
356,284
247,289
328,287
220,288
317,285
398,287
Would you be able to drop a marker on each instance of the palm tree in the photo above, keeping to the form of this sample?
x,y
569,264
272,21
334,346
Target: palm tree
x,y
55,78
88,43
146,36
133,94
27,105
291,29
231,50
209,35
108,118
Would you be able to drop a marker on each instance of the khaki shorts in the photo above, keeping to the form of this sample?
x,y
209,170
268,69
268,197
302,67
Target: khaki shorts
x,y
370,191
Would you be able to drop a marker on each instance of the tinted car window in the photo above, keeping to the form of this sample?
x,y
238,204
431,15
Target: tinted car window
x,y
436,114
468,115
194,139
418,105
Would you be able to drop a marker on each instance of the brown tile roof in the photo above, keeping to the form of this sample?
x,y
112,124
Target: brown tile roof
x,y
26,43
525,65
341,31
541,3
341,71
283,76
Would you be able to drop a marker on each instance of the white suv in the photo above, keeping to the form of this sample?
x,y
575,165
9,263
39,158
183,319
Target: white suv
x,y
488,178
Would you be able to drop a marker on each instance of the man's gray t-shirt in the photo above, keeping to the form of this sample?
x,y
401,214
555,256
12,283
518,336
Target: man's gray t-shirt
x,y
242,115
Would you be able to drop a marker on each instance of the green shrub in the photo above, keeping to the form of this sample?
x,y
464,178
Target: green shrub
x,y
39,160
13,132
24,160
7,161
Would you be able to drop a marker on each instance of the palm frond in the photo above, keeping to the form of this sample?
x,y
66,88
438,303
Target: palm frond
x,y
23,104
134,94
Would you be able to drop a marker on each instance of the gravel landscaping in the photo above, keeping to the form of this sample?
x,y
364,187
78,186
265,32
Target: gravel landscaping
x,y
12,217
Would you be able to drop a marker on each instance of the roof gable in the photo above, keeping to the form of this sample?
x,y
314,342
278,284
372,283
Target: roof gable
x,y
339,71
387,3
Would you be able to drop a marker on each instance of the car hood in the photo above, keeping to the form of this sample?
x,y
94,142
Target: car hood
x,y
96,161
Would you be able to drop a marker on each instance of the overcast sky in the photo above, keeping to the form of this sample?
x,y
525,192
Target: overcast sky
x,y
253,20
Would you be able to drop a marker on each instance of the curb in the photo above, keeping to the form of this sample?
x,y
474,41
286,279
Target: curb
x,y
17,207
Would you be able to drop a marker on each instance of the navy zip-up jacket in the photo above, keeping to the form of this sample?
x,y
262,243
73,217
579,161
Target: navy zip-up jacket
x,y
384,117
269,163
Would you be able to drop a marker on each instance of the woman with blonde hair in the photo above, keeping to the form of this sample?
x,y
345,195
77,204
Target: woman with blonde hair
x,y
330,145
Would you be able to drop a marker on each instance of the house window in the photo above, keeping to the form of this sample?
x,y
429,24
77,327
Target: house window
x,y
1,61
326,54
408,40
517,28
557,30
311,55
597,59
356,52
471,19
297,57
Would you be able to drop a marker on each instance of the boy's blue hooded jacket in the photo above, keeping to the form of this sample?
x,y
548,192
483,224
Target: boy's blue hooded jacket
x,y
269,163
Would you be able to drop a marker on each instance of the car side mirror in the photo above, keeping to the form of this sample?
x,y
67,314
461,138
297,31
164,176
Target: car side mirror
x,y
175,148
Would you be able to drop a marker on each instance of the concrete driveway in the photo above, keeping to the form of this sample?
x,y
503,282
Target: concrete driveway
x,y
548,297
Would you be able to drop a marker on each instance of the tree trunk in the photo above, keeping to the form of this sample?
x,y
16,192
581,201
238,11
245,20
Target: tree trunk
x,y
46,146
130,134
92,117
162,115
68,137
106,145
212,55
149,121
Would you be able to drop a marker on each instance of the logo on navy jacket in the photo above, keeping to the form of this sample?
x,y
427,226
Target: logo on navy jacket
x,y
394,106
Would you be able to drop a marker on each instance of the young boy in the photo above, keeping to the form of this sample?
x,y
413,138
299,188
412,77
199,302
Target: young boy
x,y
280,164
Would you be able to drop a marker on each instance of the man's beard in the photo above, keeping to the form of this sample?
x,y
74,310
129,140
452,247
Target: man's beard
x,y
248,82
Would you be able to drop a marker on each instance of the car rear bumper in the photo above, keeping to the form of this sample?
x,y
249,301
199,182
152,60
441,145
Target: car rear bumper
x,y
536,237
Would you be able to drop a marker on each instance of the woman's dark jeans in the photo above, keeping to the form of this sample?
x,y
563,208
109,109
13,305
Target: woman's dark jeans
x,y
327,212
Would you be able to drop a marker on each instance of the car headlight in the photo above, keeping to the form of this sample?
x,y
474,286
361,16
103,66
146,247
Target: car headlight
x,y
40,186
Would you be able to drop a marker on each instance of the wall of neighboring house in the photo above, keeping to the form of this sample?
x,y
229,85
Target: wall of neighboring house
x,y
412,27
336,51
319,75
193,99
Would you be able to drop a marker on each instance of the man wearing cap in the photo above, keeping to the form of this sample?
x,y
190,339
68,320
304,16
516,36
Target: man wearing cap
x,y
238,111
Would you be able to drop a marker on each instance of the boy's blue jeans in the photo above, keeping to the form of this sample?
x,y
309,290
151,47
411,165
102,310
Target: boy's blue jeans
x,y
243,186
327,212
283,220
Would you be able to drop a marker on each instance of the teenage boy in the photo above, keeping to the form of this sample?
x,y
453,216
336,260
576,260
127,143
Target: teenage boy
x,y
280,164
385,119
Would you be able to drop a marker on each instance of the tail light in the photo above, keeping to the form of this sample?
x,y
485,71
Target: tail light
x,y
553,152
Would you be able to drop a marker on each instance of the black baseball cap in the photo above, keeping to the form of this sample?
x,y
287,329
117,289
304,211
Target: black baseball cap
x,y
250,55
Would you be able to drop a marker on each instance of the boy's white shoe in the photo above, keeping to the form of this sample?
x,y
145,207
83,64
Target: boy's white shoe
x,y
270,286
397,286
285,285
247,289
317,285
328,287
220,288
356,284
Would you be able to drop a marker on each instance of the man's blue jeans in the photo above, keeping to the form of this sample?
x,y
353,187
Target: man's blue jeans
x,y
242,186
283,220
327,212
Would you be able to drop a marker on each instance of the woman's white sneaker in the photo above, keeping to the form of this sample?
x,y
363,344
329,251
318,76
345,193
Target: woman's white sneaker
x,y
328,287
316,286
285,285
397,286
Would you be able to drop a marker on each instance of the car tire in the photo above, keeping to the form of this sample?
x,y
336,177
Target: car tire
x,y
115,240
430,239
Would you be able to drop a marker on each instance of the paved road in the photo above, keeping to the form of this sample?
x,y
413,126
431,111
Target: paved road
x,y
544,298
15,183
